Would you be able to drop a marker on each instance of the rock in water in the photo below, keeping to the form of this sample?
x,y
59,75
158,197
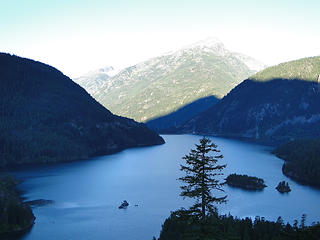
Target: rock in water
x,y
283,187
124,205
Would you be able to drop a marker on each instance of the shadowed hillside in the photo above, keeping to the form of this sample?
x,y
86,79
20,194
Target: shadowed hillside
x,y
46,117
271,111
172,121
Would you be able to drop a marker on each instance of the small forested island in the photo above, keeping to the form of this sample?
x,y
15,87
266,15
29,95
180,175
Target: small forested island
x,y
283,187
15,216
245,182
302,160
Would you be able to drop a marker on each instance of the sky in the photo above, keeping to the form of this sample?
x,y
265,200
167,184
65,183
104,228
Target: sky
x,y
77,36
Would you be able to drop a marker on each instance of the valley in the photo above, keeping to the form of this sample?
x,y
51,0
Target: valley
x,y
162,120
47,118
87,194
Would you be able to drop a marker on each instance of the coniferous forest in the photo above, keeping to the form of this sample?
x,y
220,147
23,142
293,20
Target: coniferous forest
x,y
181,226
189,224
46,117
245,181
163,120
302,160
15,216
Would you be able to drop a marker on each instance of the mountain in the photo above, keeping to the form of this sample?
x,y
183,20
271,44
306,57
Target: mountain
x,y
46,117
278,104
166,83
252,63
174,120
306,69
94,80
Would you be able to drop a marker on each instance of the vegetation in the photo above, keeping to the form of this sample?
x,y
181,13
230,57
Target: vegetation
x,y
174,120
15,216
145,91
201,177
245,181
302,160
283,187
275,111
46,117
181,226
307,69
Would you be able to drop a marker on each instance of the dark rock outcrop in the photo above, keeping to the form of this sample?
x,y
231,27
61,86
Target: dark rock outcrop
x,y
124,205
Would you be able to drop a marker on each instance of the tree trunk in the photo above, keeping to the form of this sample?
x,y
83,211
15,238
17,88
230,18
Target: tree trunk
x,y
203,202
203,205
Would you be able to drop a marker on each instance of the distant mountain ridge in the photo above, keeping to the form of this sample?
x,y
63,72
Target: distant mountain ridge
x,y
164,84
97,79
252,63
278,104
46,117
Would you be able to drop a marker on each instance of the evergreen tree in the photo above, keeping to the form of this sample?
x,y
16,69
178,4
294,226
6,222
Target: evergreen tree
x,y
201,178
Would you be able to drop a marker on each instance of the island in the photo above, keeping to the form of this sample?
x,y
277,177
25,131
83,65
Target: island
x,y
245,182
283,187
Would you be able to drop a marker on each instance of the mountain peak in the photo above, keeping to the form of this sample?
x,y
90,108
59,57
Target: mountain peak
x,y
209,42
210,45
108,70
163,84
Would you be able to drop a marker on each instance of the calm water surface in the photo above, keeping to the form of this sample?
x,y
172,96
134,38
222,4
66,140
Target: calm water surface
x,y
87,194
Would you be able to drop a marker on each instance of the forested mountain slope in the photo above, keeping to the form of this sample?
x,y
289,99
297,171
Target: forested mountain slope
x,y
46,117
164,84
278,104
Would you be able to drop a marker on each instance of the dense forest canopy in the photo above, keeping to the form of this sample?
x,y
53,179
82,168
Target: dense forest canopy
x,y
180,226
245,181
14,214
306,69
302,160
46,117
274,106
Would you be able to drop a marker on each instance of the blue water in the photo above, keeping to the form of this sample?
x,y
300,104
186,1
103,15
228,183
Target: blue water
x,y
87,194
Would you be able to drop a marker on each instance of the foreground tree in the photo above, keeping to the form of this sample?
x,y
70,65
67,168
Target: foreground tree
x,y
202,171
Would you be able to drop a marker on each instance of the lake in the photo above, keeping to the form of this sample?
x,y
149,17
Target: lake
x,y
87,194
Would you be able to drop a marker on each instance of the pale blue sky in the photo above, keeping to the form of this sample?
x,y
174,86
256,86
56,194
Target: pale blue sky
x,y
76,36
